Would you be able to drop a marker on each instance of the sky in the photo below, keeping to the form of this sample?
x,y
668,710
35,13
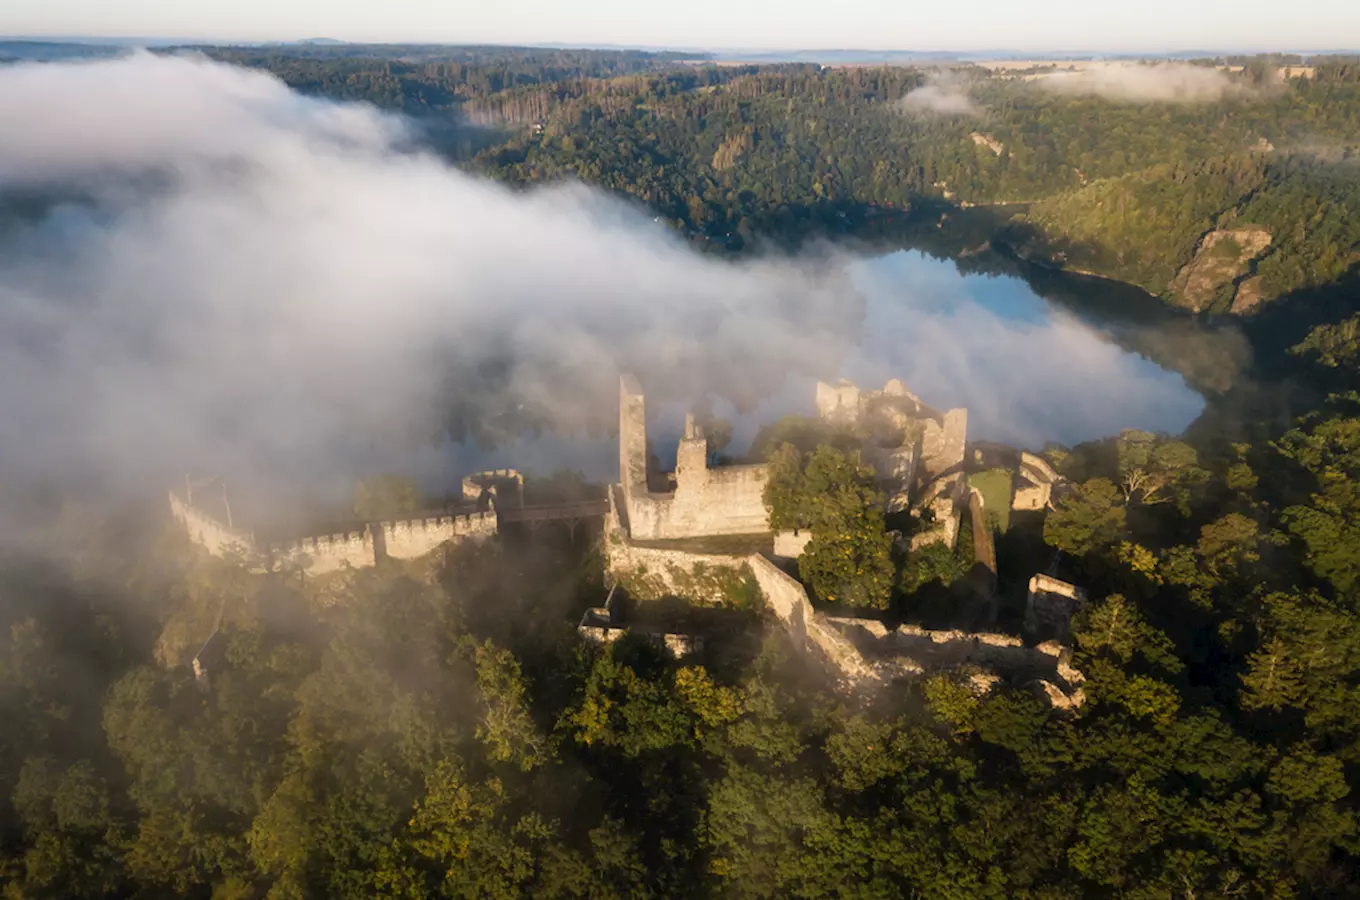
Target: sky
x,y
1151,25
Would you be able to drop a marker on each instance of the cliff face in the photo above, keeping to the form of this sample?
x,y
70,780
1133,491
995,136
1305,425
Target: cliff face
x,y
1223,258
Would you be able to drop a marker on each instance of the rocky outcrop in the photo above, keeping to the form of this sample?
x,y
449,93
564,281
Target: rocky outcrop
x,y
1249,296
1221,260
990,143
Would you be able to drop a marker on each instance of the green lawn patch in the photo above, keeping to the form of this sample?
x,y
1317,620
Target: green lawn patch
x,y
995,485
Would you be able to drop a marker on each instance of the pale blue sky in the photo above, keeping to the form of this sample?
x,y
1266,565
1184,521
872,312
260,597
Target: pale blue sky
x,y
785,24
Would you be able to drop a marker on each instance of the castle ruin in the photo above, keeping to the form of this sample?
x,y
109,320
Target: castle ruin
x,y
700,530
662,532
357,547
918,452
697,501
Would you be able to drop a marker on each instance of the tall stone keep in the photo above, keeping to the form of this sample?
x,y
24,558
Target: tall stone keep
x,y
632,439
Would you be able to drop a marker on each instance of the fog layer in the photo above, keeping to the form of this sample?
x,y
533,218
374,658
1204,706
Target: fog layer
x,y
942,96
201,270
240,275
1143,83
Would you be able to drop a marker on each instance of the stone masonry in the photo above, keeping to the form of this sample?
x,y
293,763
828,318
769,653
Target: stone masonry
x,y
1051,604
357,548
705,501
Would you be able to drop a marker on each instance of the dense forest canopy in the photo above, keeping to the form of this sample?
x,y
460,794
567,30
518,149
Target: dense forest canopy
x,y
438,728
737,154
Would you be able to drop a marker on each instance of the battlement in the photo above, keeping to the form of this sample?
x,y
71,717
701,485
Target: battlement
x,y
412,538
204,529
356,548
483,487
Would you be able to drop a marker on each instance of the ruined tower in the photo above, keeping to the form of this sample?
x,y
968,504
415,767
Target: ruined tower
x,y
691,457
632,439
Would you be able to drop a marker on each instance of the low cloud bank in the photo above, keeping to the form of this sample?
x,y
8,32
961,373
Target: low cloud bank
x,y
239,277
1142,83
202,271
942,97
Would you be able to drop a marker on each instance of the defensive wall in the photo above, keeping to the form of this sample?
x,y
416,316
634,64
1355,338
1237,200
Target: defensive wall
x,y
650,572
705,501
355,548
917,650
400,539
207,531
481,487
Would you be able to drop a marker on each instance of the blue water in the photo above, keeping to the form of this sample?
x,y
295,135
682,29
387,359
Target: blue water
x,y
1028,371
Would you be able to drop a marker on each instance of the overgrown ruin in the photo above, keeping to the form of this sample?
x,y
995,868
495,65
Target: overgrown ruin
x,y
702,533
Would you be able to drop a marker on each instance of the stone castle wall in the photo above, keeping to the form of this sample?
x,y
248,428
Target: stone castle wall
x,y
1051,604
215,536
650,573
707,578
706,501
1034,488
319,554
943,444
356,548
413,538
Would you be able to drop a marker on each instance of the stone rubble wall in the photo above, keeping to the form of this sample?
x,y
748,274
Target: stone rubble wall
x,y
945,499
788,599
1051,604
905,651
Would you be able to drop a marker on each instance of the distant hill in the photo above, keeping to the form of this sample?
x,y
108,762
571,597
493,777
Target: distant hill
x,y
46,51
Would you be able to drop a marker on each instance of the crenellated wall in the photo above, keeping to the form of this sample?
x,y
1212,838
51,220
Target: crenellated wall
x,y
215,536
356,548
319,554
412,538
480,485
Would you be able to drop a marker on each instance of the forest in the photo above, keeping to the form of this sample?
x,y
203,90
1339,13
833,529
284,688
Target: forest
x,y
746,156
438,728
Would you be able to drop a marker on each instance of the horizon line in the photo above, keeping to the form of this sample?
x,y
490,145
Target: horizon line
x,y
132,41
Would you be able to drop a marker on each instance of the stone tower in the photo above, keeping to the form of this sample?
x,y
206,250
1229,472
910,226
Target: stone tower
x,y
632,439
691,457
